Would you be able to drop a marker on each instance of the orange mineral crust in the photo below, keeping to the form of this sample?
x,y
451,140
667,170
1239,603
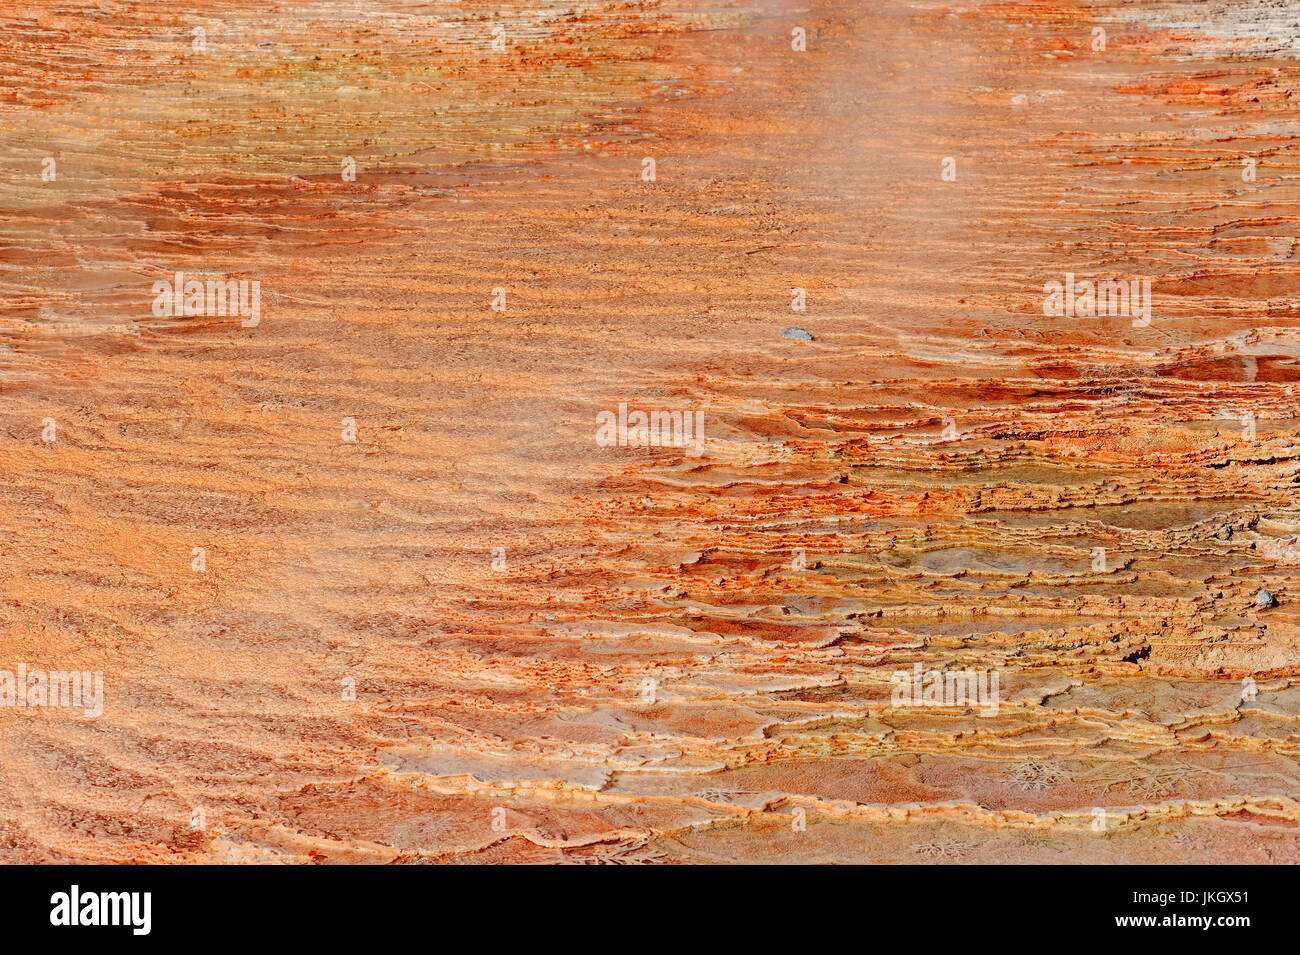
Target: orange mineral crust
x,y
948,555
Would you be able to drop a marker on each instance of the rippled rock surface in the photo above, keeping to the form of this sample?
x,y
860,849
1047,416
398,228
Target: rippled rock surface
x,y
955,580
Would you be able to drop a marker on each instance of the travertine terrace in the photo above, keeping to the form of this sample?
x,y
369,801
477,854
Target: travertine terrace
x,y
570,653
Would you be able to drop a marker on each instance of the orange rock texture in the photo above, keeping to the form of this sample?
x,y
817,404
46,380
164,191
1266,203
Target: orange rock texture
x,y
365,585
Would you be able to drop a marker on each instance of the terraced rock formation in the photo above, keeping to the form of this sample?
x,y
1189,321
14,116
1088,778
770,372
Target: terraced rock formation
x,y
475,634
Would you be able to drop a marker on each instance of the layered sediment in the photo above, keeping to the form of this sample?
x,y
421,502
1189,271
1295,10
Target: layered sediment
x,y
476,633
